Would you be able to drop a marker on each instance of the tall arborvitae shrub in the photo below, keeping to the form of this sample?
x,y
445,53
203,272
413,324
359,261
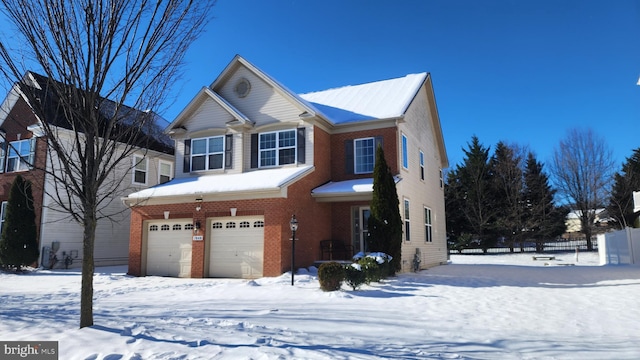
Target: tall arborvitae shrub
x,y
19,241
385,223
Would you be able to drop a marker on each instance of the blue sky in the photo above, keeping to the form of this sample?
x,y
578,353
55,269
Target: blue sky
x,y
517,71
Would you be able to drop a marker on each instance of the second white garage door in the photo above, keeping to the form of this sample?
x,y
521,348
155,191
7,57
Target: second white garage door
x,y
236,247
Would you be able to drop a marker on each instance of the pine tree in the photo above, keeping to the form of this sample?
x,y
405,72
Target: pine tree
x,y
507,180
545,220
477,204
385,223
625,183
19,241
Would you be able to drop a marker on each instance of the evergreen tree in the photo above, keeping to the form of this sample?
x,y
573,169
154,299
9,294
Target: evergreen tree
x,y
507,180
19,241
385,223
458,229
625,183
477,204
545,220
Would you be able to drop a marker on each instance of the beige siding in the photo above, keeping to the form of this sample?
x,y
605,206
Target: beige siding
x,y
112,235
210,115
418,128
264,105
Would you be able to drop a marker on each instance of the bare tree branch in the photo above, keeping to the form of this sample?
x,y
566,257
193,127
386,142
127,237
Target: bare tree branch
x,y
100,60
583,169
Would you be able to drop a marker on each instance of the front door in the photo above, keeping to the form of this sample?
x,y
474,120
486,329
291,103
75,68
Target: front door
x,y
361,228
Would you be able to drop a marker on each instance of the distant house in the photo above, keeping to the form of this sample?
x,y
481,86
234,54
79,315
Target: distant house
x,y
574,224
23,150
250,153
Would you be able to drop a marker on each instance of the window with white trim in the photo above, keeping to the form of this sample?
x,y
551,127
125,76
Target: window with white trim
x,y
21,155
441,179
364,151
165,171
3,214
421,165
277,148
207,153
140,168
428,225
405,152
407,224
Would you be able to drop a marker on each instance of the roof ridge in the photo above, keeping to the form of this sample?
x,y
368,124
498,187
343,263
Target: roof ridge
x,y
363,84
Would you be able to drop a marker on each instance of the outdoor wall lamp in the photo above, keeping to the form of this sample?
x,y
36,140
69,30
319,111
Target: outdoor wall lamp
x,y
196,226
293,224
198,204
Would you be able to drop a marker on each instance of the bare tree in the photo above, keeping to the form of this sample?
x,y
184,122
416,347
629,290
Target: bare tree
x,y
583,168
89,51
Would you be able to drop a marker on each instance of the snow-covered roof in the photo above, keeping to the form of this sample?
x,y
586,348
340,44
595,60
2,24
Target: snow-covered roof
x,y
361,186
263,180
346,188
376,100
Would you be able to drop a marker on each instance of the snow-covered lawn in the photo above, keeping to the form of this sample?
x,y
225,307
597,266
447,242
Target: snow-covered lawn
x,y
478,307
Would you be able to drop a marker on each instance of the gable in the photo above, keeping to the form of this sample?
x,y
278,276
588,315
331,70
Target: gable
x,y
421,122
263,103
209,115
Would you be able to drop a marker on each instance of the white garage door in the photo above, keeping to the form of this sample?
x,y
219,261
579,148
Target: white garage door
x,y
237,247
169,247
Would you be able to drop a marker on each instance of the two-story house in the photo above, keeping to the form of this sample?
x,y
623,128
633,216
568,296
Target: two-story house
x,y
250,153
24,150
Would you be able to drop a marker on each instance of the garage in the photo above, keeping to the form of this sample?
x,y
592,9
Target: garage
x,y
169,247
236,247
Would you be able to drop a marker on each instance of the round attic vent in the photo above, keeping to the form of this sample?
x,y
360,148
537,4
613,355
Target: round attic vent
x,y
243,87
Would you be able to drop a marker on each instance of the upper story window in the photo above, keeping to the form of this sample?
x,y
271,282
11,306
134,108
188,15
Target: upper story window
x,y
20,155
277,148
140,168
207,153
421,165
441,179
405,152
360,154
365,155
165,172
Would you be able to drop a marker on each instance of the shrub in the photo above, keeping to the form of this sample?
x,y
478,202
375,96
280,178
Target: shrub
x,y
354,276
331,275
371,269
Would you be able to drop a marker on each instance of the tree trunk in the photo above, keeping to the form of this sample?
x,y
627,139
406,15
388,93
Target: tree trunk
x,y
86,294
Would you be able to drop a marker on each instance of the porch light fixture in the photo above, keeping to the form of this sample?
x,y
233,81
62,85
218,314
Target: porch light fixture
x,y
293,224
198,204
196,226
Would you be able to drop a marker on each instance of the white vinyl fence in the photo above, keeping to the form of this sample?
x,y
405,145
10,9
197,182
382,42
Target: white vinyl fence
x,y
620,247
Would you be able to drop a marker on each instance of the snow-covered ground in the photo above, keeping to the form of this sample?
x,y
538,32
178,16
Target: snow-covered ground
x,y
478,307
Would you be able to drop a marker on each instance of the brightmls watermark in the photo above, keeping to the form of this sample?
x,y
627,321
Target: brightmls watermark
x,y
31,350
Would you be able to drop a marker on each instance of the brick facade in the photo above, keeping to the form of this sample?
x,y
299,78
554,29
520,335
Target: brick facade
x,y
15,128
314,221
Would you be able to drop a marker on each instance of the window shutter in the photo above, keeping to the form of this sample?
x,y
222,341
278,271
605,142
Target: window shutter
x,y
301,146
3,153
254,151
32,153
186,165
228,151
348,157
